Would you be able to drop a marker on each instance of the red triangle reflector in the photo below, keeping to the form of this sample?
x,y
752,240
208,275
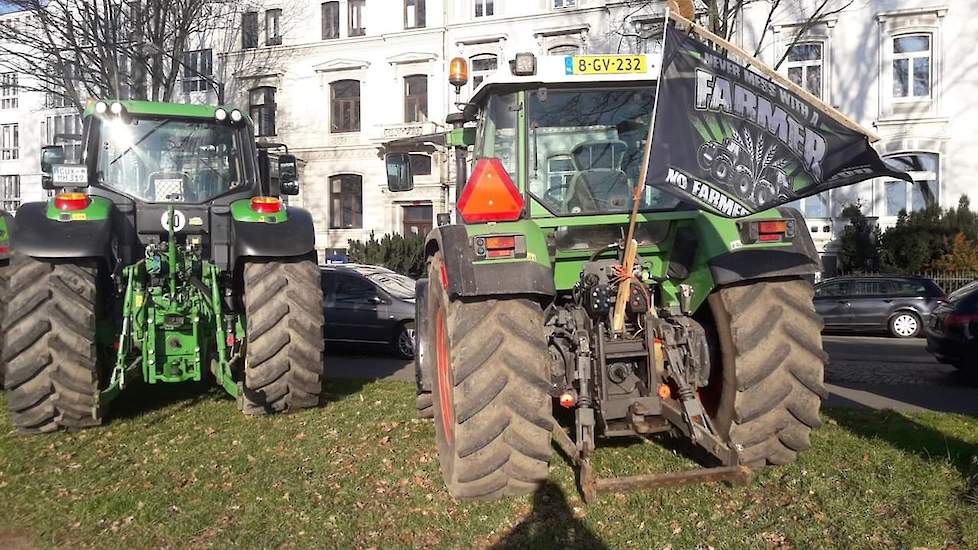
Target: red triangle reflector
x,y
490,195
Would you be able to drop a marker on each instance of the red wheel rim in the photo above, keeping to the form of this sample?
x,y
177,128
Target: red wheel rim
x,y
444,378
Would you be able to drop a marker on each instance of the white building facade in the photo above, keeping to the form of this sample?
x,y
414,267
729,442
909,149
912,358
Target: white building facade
x,y
336,80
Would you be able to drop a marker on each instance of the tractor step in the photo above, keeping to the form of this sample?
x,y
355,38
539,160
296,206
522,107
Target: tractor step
x,y
591,487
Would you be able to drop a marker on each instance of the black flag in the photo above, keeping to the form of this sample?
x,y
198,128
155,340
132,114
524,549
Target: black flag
x,y
737,142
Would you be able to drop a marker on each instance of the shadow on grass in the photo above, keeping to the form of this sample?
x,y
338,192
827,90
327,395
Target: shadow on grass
x,y
143,398
908,436
551,524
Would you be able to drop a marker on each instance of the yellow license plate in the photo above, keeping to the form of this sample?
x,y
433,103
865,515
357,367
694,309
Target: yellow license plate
x,y
605,64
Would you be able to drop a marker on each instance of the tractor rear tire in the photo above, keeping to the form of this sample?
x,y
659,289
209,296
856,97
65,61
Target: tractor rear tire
x,y
772,369
493,412
52,376
284,360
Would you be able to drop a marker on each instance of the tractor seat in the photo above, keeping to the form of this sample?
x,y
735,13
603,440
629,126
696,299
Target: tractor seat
x,y
599,183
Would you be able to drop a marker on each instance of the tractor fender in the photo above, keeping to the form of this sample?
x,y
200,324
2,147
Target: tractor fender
x,y
467,279
295,236
799,260
37,235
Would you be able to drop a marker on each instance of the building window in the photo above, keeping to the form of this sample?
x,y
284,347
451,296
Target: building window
x,y
345,97
331,20
649,39
58,127
249,30
273,29
55,101
414,14
8,91
924,192
197,65
262,110
9,193
484,8
9,142
358,23
482,66
804,66
911,66
416,98
346,201
564,49
420,164
417,219
564,3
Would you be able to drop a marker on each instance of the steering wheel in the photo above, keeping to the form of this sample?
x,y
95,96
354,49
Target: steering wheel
x,y
556,194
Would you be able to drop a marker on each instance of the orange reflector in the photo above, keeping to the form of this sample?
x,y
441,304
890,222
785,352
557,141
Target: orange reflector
x,y
772,227
444,277
266,205
664,391
71,201
458,72
769,237
490,195
497,243
567,399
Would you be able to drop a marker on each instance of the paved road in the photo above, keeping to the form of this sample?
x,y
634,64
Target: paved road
x,y
869,371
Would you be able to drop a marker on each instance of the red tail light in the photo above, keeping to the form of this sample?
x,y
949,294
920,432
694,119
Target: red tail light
x,y
960,319
490,195
770,231
68,202
266,205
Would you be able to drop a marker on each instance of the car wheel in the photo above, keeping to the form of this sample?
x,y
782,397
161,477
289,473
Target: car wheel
x,y
905,325
403,344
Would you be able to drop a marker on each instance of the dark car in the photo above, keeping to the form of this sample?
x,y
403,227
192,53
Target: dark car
x,y
952,332
899,305
367,304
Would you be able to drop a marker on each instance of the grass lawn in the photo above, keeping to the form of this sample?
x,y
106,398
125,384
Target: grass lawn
x,y
186,469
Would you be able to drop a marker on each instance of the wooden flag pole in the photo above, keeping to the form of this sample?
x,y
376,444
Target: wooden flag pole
x,y
628,261
829,110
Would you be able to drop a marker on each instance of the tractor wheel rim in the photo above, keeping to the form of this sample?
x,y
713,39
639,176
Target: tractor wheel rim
x,y
444,378
406,342
905,325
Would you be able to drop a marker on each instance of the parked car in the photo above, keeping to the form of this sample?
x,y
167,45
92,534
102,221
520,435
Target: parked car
x,y
899,305
367,304
952,332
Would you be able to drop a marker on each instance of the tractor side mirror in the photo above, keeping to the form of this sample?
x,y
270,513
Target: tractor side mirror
x,y
399,175
288,174
51,155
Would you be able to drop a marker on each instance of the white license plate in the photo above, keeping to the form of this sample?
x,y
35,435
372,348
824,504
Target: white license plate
x,y
69,174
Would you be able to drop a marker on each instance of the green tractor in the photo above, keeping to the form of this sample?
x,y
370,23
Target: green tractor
x,y
167,256
720,341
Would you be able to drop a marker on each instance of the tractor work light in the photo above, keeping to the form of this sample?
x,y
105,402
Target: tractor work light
x,y
101,107
236,116
68,202
458,72
116,108
490,195
525,64
221,115
266,205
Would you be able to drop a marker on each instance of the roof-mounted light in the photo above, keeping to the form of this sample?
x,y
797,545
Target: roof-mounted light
x,y
116,108
236,116
221,115
525,64
458,72
101,107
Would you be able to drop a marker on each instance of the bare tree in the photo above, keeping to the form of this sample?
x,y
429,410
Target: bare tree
x,y
104,48
722,17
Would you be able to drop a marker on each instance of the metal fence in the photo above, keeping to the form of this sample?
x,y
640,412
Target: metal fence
x,y
950,280
947,280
